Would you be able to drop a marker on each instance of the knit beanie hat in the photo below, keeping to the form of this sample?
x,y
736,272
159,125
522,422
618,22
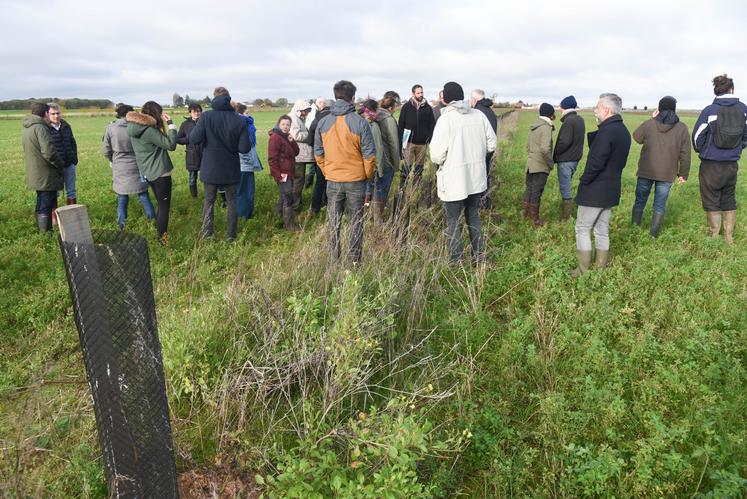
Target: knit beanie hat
x,y
453,91
547,110
668,103
569,103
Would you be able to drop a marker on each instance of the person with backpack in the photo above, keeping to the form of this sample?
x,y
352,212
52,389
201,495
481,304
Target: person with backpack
x,y
719,136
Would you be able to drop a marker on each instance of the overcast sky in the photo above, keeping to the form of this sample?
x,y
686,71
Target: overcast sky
x,y
537,51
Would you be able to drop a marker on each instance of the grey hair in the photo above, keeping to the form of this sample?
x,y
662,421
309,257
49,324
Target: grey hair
x,y
478,93
613,102
53,105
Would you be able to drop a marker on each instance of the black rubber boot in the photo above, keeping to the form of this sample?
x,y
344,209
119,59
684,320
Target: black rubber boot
x,y
636,217
656,220
44,222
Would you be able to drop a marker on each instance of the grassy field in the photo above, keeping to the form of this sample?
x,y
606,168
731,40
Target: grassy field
x,y
292,375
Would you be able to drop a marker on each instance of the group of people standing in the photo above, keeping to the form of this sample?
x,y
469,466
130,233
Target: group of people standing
x,y
719,136
353,154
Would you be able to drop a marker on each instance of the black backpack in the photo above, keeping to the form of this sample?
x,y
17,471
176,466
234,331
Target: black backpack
x,y
728,129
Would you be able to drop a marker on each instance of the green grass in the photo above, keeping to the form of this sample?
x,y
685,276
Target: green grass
x,y
625,382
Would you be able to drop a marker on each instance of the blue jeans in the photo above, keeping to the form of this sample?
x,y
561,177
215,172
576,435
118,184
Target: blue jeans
x,y
338,195
68,175
566,169
122,202
245,195
661,193
383,184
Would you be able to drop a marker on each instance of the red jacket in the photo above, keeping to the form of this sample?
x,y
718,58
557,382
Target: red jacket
x,y
281,154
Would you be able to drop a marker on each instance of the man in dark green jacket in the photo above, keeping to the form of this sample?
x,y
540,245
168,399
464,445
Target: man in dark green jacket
x,y
43,164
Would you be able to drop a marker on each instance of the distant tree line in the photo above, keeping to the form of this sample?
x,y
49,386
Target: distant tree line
x,y
25,104
178,101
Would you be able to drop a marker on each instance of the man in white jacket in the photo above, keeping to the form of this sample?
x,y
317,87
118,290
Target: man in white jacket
x,y
462,138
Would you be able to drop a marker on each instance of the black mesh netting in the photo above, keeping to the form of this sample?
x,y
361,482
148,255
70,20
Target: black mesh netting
x,y
112,294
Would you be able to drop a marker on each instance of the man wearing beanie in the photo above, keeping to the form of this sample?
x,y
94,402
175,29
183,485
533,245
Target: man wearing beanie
x,y
569,148
461,140
719,136
539,162
665,156
599,186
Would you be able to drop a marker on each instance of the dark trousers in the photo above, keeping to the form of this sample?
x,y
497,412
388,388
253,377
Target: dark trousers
x,y
718,182
46,201
162,192
208,212
245,195
454,209
193,174
285,192
485,198
535,185
352,194
320,190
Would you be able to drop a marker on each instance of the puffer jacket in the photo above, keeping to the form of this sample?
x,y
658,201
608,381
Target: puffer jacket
x,y
150,145
539,147
703,131
193,154
224,135
281,154
569,145
344,146
250,161
64,141
43,163
117,148
300,133
461,140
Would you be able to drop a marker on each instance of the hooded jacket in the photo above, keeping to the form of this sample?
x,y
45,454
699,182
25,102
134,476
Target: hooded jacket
x,y
281,154
703,131
599,186
666,150
485,106
223,135
344,146
419,119
43,163
193,155
117,148
250,161
389,139
539,147
64,141
150,145
569,144
300,133
462,138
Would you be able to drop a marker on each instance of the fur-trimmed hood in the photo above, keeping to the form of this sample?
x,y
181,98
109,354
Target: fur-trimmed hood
x,y
140,119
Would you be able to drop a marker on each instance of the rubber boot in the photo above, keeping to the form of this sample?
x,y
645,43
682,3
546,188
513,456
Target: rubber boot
x,y
289,219
656,220
525,216
636,217
534,213
584,262
566,209
377,207
193,190
714,222
44,222
72,201
730,218
602,258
